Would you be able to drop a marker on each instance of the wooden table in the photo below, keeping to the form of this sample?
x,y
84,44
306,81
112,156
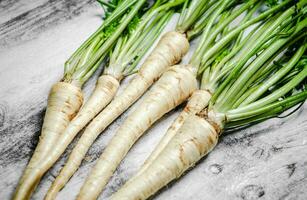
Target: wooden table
x,y
266,161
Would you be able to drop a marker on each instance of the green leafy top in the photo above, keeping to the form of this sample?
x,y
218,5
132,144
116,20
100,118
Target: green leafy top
x,y
219,37
271,3
191,12
87,58
133,24
267,74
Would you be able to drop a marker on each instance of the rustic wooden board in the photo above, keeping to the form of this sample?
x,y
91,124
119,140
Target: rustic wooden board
x,y
266,161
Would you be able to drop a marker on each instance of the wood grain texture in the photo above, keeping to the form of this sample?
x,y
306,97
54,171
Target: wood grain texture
x,y
27,19
266,161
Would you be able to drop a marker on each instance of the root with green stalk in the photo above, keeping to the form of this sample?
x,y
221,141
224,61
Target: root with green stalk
x,y
174,87
257,88
225,59
170,49
128,51
66,97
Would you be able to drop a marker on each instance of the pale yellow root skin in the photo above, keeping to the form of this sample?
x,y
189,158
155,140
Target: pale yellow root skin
x,y
198,101
174,87
195,138
170,49
64,102
104,92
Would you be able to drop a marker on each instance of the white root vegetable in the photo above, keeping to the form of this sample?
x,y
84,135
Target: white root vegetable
x,y
174,87
198,101
105,90
170,49
63,103
194,139
103,93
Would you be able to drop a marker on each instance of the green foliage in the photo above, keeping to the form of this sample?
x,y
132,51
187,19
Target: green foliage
x,y
108,7
109,30
271,3
133,24
88,57
222,55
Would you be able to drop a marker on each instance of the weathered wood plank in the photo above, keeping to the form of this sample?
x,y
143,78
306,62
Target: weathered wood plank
x,y
11,9
25,22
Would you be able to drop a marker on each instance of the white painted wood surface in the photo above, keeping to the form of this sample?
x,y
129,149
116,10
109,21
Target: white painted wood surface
x,y
266,161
